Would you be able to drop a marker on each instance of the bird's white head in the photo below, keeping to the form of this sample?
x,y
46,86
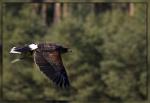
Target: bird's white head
x,y
33,46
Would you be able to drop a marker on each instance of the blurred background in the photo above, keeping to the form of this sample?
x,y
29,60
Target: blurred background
x,y
108,40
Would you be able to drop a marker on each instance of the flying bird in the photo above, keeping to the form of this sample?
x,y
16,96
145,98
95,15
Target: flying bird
x,y
48,58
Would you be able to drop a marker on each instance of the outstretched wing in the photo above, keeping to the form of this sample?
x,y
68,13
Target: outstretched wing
x,y
50,63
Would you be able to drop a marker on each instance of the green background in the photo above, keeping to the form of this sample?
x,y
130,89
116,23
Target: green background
x,y
108,62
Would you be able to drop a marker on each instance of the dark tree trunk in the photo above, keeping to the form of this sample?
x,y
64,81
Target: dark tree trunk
x,y
37,1
102,7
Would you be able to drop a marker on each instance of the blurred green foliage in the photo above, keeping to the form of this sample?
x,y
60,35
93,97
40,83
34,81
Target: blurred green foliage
x,y
108,62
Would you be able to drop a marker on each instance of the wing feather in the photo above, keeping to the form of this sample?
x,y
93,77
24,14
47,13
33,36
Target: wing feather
x,y
50,63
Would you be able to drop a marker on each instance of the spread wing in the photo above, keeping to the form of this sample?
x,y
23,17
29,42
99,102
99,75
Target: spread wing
x,y
50,63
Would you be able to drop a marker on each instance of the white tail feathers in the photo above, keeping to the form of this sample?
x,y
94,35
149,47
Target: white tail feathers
x,y
13,51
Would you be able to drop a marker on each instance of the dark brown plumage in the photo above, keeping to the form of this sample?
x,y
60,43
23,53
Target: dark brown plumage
x,y
48,57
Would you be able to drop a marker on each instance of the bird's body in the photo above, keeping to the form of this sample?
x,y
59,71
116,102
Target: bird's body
x,y
48,57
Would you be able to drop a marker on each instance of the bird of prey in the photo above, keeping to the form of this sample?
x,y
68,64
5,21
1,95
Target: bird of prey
x,y
48,57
